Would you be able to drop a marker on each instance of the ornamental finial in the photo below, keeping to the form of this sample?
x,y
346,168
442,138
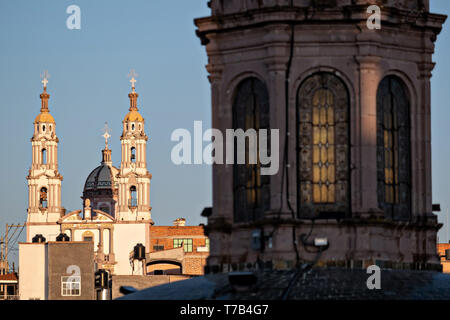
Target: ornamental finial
x,y
133,75
106,134
44,95
45,76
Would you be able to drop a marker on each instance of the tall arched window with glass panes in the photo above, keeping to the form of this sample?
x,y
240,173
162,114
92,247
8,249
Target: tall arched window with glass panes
x,y
394,149
251,193
323,147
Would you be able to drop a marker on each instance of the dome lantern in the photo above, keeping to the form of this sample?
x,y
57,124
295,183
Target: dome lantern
x,y
45,115
134,114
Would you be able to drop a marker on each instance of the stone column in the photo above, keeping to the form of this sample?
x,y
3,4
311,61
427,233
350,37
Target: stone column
x,y
421,175
277,69
144,153
221,119
100,239
111,241
33,197
366,169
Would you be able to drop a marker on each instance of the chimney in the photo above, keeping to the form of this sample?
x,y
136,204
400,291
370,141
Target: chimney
x,y
179,222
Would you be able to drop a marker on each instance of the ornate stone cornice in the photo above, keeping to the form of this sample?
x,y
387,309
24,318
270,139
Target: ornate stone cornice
x,y
425,69
349,14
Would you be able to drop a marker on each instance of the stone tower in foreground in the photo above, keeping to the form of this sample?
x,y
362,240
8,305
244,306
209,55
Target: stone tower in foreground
x,y
353,108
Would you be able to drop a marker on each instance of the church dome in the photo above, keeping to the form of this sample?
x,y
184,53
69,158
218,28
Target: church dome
x,y
101,177
133,116
44,117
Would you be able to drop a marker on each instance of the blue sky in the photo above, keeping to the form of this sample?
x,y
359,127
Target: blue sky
x,y
89,86
440,117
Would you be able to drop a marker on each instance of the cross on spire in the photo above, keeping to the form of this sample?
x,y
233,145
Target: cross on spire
x,y
133,75
106,134
45,76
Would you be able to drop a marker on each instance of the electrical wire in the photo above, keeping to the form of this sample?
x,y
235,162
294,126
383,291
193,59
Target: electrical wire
x,y
286,143
285,167
300,271
15,230
16,239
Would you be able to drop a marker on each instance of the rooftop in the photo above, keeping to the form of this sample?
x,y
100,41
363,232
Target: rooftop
x,y
10,277
314,284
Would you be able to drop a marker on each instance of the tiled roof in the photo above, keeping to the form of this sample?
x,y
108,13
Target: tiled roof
x,y
9,277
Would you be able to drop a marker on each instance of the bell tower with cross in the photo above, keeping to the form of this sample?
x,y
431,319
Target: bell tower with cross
x,y
44,179
134,178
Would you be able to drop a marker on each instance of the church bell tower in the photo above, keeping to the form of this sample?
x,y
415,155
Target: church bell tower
x,y
352,104
134,178
44,179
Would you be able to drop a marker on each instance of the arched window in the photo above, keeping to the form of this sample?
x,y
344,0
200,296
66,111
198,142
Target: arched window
x,y
43,128
394,149
133,154
88,236
43,198
251,190
44,156
133,197
104,208
323,147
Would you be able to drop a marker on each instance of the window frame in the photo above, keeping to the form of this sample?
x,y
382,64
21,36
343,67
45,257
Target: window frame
x,y
306,207
158,247
64,281
133,199
250,110
133,154
44,156
42,199
399,100
188,245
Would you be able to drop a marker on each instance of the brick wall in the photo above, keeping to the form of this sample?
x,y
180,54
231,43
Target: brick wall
x,y
163,237
194,265
441,247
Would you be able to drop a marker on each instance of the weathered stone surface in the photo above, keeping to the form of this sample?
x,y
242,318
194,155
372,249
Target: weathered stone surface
x,y
250,38
316,284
